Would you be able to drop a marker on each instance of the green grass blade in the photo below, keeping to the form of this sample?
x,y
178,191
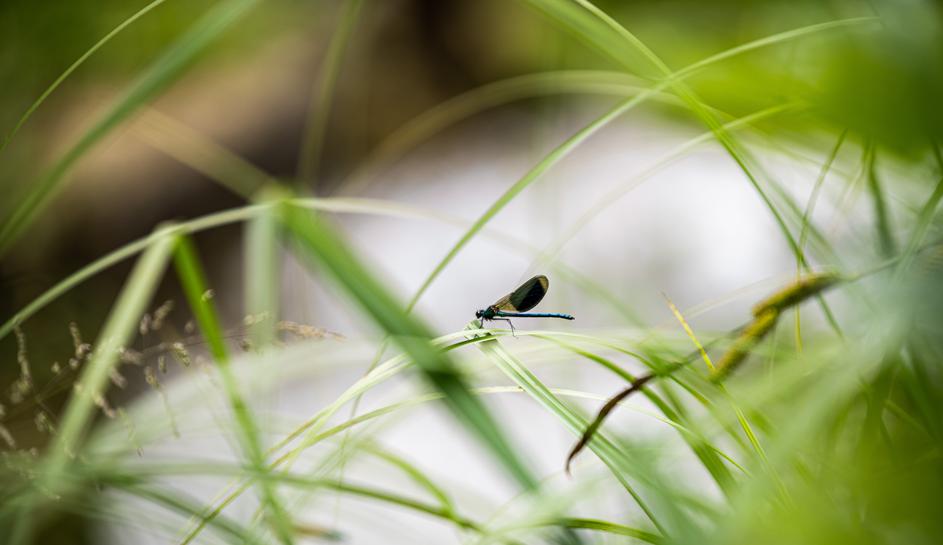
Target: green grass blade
x,y
554,157
333,205
262,274
117,256
604,447
555,247
807,221
924,219
193,280
612,528
120,327
73,67
322,98
887,244
672,80
177,501
491,95
708,454
190,273
157,78
321,245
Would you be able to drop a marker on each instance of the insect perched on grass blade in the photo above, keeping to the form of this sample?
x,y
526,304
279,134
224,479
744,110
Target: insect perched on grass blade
x,y
518,302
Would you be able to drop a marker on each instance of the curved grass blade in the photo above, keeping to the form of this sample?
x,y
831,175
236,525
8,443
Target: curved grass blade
x,y
218,219
671,79
321,245
177,501
530,85
190,273
607,450
157,78
118,330
734,149
491,95
322,98
709,455
72,68
553,250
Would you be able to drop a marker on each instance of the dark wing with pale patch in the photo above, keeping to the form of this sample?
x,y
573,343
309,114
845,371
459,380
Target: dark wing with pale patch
x,y
526,296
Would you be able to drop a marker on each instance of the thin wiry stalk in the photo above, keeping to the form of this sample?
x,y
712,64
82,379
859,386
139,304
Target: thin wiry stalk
x,y
73,67
178,57
322,96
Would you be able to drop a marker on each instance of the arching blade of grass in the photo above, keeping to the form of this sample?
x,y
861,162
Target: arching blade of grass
x,y
158,77
550,253
320,245
613,528
334,205
322,96
924,219
414,474
73,67
807,222
120,327
554,157
736,151
588,29
741,415
604,447
531,85
673,80
119,255
815,388
178,502
131,481
312,428
193,280
456,109
707,453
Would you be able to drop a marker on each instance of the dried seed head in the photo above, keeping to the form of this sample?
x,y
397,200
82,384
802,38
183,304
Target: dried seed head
x,y
20,389
161,314
102,404
76,335
21,357
180,352
7,437
151,378
305,331
252,319
117,378
128,355
144,326
43,423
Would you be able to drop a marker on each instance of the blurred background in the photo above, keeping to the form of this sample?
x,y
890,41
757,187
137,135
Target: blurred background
x,y
758,128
